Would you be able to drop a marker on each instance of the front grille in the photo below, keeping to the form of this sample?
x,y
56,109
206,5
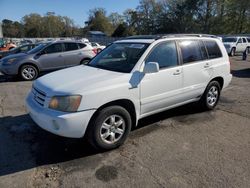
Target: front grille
x,y
39,96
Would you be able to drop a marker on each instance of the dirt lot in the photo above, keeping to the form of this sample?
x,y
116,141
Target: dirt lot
x,y
178,148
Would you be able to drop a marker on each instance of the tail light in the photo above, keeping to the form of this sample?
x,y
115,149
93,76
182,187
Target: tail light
x,y
94,50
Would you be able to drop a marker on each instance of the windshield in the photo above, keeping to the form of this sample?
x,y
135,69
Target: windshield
x,y
119,57
229,39
37,48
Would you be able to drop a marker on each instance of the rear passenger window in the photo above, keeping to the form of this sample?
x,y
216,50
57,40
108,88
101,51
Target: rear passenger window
x,y
244,40
213,49
70,46
164,54
81,45
190,51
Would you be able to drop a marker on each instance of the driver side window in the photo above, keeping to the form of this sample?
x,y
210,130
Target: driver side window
x,y
240,40
54,48
165,54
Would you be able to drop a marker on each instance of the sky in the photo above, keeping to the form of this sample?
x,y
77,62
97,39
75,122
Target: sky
x,y
75,9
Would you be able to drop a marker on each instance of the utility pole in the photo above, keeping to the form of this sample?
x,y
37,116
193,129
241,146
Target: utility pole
x,y
50,14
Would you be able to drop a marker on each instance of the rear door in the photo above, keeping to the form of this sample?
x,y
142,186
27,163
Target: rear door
x,y
197,68
51,57
72,54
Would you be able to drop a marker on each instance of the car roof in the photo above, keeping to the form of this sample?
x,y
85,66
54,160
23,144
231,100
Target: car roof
x,y
152,38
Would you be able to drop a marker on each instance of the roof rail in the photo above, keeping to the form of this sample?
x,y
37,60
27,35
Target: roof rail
x,y
161,36
189,35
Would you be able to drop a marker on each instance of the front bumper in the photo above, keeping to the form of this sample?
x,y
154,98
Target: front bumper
x,y
72,125
9,69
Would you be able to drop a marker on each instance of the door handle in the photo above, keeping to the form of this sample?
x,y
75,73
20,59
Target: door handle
x,y
177,72
206,65
60,56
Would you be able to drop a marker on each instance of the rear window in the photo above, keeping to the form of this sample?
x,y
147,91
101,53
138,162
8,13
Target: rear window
x,y
213,49
81,45
190,50
70,46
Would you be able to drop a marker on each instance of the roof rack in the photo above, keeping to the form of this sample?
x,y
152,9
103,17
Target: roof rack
x,y
161,36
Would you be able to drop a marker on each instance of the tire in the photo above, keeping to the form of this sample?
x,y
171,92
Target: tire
x,y
109,128
84,61
28,72
232,53
211,96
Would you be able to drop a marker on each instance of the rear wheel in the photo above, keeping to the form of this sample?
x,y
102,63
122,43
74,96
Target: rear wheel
x,y
110,128
28,72
84,61
211,96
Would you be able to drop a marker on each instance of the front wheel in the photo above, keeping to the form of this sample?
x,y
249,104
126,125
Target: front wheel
x,y
110,128
28,72
211,96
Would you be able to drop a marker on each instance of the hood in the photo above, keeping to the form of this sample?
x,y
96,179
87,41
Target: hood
x,y
19,55
77,80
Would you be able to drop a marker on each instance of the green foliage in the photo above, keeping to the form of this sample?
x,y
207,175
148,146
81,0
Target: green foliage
x,y
149,17
98,21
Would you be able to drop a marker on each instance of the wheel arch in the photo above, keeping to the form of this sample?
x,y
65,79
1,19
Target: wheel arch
x,y
220,80
28,63
125,103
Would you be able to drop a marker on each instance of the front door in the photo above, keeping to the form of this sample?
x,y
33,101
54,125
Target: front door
x,y
51,57
240,46
162,89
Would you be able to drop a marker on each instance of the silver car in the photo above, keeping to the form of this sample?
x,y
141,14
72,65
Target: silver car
x,y
46,57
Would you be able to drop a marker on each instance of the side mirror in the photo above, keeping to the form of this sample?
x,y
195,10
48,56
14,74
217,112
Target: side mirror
x,y
151,67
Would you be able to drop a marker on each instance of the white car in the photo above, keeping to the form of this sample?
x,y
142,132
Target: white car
x,y
129,80
235,45
97,46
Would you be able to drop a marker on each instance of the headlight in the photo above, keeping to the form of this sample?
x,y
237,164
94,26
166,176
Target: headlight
x,y
65,103
9,61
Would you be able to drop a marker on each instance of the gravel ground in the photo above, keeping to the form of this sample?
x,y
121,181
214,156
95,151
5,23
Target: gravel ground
x,y
182,147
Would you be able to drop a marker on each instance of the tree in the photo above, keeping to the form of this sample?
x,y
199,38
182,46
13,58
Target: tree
x,y
98,21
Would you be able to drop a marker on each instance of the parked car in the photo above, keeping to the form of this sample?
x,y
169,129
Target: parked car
x,y
8,46
129,80
97,46
235,45
20,49
46,57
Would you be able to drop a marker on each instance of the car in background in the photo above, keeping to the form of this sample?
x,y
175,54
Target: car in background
x,y
8,46
20,49
234,44
97,46
47,56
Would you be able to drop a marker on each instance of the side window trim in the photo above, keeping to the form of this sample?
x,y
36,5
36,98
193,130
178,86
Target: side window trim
x,y
177,53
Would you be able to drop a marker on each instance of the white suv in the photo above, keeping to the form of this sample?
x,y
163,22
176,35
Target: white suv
x,y
235,45
129,80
